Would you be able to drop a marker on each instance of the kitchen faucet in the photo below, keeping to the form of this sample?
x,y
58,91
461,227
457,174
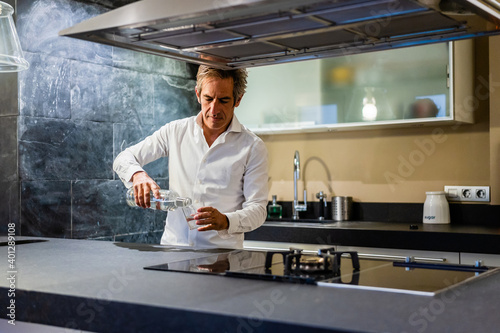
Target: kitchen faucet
x,y
322,205
297,207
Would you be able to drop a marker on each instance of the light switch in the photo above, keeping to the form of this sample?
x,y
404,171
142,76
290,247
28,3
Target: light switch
x,y
467,193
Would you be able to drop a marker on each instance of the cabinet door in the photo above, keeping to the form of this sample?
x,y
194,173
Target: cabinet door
x,y
421,85
401,254
283,246
380,253
488,259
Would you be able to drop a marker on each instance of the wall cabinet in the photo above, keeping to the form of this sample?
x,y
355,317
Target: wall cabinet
x,y
408,87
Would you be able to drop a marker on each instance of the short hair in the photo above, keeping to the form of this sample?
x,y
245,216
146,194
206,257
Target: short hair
x,y
239,78
423,107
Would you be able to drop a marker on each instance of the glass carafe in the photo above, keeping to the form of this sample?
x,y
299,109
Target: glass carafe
x,y
169,200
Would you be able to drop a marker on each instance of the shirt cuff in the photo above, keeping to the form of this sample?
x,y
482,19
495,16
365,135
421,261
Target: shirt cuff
x,y
130,172
224,234
234,222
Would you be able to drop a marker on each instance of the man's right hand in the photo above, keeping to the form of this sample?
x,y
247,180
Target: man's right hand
x,y
143,185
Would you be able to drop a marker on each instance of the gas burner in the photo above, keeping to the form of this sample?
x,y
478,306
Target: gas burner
x,y
310,264
337,256
326,263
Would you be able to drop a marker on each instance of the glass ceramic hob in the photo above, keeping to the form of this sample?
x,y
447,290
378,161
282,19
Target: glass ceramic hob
x,y
330,268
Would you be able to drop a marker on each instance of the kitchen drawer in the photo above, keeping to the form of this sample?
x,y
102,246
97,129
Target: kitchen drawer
x,y
265,245
488,259
390,254
399,254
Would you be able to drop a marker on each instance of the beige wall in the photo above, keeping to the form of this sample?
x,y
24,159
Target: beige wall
x,y
494,81
399,165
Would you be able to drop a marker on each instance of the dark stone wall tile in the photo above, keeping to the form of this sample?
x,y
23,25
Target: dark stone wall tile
x,y
131,97
40,21
9,206
46,208
125,135
158,170
152,237
91,85
62,149
44,87
79,105
103,93
100,209
143,62
8,149
8,94
175,98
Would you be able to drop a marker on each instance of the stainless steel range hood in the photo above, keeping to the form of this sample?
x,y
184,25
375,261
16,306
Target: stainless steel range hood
x,y
246,33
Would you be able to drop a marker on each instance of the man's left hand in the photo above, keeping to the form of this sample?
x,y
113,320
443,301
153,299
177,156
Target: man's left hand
x,y
209,218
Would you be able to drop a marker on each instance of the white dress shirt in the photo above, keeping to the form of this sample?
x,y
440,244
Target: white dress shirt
x,y
231,176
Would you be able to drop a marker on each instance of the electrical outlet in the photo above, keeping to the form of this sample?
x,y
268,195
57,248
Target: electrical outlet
x,y
467,193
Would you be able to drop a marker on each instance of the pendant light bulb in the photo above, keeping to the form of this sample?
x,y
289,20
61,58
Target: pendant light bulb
x,y
11,54
369,108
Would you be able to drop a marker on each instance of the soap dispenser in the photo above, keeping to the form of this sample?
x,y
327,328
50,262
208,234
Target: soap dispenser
x,y
274,210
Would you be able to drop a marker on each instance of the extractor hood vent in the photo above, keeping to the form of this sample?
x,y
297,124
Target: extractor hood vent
x,y
246,33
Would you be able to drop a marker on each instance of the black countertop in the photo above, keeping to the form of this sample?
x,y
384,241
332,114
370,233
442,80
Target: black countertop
x,y
102,287
397,235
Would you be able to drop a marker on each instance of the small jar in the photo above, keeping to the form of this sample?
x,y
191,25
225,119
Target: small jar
x,y
274,210
436,208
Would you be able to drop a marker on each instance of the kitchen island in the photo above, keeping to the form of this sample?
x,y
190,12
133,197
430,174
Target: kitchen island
x,y
101,286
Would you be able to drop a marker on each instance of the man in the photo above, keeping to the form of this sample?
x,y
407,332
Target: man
x,y
213,159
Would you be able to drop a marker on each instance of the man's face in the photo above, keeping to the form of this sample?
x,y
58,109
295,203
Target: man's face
x,y
217,103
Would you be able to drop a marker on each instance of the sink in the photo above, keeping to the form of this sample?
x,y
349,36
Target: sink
x,y
290,220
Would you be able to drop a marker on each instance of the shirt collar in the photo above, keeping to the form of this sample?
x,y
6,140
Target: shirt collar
x,y
234,125
198,130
